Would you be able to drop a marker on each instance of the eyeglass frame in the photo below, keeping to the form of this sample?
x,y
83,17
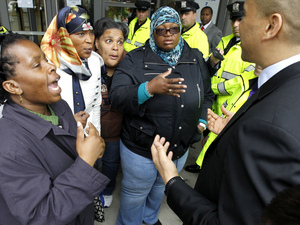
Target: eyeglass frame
x,y
166,31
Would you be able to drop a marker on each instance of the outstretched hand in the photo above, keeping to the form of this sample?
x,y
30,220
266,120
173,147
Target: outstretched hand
x,y
90,148
167,86
215,123
162,161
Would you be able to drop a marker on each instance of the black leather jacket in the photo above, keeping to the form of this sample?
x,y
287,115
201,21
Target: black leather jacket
x,y
174,118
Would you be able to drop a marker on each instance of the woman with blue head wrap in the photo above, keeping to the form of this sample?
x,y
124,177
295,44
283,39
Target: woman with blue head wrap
x,y
161,16
160,90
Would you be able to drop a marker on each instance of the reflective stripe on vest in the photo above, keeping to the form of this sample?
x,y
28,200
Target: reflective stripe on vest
x,y
221,89
228,76
138,44
250,68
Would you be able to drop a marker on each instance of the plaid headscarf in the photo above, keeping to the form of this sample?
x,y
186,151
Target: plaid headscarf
x,y
163,15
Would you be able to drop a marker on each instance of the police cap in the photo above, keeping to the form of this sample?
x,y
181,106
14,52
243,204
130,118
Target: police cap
x,y
236,10
186,6
142,5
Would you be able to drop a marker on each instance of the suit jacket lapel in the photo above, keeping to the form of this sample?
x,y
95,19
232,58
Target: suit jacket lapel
x,y
208,28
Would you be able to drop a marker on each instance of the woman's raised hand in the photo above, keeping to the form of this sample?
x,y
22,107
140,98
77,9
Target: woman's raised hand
x,y
167,86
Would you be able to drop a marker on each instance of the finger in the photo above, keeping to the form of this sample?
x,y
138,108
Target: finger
x,y
162,140
80,133
153,146
175,95
177,82
157,137
170,155
167,73
178,87
154,149
166,145
84,115
225,111
212,114
92,130
87,130
160,147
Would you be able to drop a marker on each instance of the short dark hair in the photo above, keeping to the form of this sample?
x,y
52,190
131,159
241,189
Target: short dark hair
x,y
107,23
284,208
208,7
7,61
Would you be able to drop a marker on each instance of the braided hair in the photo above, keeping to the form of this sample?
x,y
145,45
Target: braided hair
x,y
7,61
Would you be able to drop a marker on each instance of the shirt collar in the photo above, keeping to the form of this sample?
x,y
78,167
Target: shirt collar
x,y
205,26
270,71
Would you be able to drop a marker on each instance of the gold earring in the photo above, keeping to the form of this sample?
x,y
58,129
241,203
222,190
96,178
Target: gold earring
x,y
21,99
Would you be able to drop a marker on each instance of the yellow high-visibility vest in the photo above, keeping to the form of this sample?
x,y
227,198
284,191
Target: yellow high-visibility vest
x,y
196,38
138,38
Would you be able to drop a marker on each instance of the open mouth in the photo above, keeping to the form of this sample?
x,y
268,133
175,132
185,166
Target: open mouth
x,y
88,50
54,85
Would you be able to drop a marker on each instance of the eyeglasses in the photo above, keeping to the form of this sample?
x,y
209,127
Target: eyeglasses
x,y
163,31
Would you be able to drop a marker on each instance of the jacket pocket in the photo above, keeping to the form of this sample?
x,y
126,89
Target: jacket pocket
x,y
143,132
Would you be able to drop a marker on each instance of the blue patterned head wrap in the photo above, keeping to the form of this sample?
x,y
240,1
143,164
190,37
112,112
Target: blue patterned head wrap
x,y
163,15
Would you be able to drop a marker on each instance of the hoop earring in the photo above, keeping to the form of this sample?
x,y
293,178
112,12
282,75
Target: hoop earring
x,y
21,99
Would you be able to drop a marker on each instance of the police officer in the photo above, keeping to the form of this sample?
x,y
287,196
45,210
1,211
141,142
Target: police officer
x,y
191,31
139,27
230,74
226,80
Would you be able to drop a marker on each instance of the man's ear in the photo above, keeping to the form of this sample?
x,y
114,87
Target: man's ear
x,y
273,27
12,87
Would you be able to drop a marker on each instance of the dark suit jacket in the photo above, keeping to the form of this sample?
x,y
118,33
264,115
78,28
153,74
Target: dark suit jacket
x,y
214,35
255,156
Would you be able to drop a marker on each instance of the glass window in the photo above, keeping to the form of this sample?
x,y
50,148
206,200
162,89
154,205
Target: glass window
x,y
119,14
128,1
87,4
29,16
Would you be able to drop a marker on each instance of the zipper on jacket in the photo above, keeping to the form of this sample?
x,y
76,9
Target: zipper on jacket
x,y
199,95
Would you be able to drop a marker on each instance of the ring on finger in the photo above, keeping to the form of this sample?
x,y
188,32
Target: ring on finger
x,y
170,90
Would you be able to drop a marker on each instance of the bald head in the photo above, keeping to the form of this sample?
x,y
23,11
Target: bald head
x,y
269,31
289,10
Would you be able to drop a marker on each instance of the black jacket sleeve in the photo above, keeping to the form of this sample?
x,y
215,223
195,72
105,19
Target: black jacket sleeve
x,y
124,88
190,206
